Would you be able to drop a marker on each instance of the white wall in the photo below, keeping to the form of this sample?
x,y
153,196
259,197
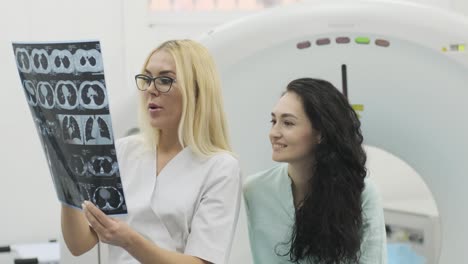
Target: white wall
x,y
30,211
460,6
144,32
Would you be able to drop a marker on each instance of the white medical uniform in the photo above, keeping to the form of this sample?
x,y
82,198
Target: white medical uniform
x,y
191,207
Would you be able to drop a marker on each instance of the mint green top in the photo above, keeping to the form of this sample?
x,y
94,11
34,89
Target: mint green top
x,y
270,213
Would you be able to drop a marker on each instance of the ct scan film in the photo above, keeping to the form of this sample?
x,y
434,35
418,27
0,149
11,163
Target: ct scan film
x,y
66,91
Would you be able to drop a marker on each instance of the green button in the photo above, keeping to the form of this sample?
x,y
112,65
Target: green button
x,y
362,40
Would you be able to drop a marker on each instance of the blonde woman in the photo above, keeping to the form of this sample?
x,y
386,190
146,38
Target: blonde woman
x,y
182,183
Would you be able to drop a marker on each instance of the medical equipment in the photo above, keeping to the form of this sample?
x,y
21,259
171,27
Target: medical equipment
x,y
405,74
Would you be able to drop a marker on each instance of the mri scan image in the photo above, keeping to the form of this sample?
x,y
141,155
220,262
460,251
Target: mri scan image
x,y
98,130
62,61
47,128
66,95
93,95
52,128
46,95
85,191
23,61
108,198
31,93
88,60
102,166
40,61
65,89
78,165
71,129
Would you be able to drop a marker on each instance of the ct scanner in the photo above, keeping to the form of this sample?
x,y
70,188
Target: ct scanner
x,y
403,65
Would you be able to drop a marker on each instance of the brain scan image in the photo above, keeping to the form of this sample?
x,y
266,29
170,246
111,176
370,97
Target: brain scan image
x,y
102,166
46,95
23,61
31,94
62,61
88,60
71,129
40,61
93,95
66,95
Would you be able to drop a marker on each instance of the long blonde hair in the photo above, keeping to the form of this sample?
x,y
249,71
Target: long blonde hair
x,y
202,125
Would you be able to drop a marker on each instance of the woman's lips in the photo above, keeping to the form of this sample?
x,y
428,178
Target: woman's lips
x,y
154,107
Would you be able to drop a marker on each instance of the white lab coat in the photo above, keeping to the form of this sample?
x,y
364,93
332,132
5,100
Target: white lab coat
x,y
191,207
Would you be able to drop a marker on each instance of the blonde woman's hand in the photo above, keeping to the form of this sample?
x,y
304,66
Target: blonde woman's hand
x,y
109,230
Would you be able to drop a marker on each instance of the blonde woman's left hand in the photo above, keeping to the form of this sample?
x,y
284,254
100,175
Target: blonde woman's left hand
x,y
109,230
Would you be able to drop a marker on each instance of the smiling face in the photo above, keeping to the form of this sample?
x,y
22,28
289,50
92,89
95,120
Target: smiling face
x,y
292,135
164,109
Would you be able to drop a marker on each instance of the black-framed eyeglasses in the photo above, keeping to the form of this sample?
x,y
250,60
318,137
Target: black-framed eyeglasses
x,y
161,83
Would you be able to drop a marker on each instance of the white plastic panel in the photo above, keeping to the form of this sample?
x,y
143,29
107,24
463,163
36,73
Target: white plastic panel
x,y
413,92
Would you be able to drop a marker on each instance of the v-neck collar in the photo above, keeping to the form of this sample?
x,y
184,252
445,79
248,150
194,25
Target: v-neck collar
x,y
174,159
288,199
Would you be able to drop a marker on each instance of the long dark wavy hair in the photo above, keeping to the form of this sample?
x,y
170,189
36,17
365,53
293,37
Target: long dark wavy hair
x,y
328,225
